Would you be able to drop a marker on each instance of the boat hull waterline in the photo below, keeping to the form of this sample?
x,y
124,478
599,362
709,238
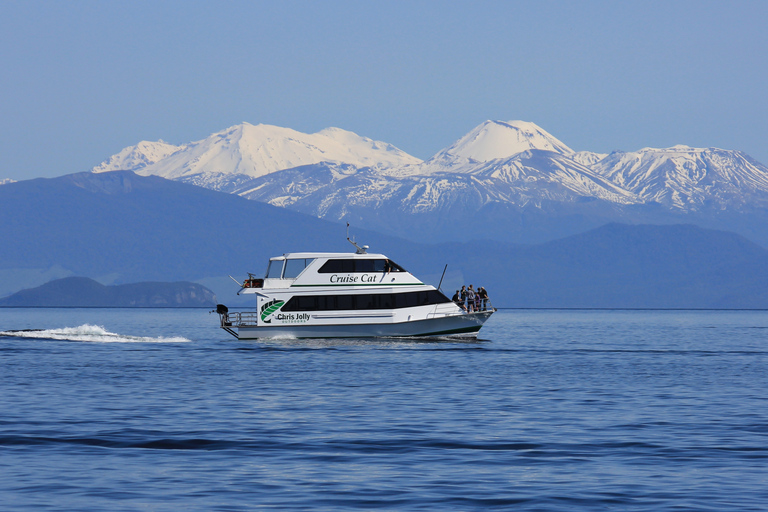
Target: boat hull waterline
x,y
469,323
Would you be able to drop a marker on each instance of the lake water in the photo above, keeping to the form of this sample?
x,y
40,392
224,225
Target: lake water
x,y
549,410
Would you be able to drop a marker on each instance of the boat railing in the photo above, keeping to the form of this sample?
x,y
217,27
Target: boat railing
x,y
483,305
240,318
441,310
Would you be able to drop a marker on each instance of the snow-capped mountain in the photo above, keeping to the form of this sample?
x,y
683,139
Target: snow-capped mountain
x,y
505,180
689,178
247,150
5,181
496,139
513,162
588,158
526,179
488,142
483,199
137,157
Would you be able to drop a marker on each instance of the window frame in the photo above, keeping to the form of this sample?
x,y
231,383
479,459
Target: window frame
x,y
365,301
358,265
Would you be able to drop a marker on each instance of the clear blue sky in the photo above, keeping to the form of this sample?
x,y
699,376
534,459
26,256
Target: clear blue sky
x,y
81,80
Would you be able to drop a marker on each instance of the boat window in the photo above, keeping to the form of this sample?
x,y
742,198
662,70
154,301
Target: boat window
x,y
343,302
294,267
275,269
308,303
364,301
369,265
359,265
337,266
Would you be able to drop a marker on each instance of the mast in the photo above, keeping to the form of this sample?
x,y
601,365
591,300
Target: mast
x,y
360,250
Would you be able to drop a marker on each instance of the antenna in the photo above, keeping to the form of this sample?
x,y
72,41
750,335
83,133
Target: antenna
x,y
441,277
360,250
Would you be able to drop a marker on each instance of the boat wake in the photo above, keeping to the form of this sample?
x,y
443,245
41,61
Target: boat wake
x,y
87,332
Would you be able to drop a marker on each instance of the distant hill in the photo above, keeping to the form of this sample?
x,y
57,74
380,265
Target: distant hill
x,y
621,266
85,292
118,227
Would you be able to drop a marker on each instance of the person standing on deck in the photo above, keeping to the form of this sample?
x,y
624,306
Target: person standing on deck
x,y
458,300
482,296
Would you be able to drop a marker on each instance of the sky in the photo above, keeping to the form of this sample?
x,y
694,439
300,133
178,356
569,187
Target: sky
x,y
80,80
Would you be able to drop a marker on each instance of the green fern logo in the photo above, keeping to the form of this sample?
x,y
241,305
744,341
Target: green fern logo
x,y
269,308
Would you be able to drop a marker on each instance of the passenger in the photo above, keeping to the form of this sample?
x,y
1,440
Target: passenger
x,y
457,300
483,296
463,297
470,299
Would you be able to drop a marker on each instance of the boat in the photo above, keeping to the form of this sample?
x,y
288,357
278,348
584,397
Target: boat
x,y
346,295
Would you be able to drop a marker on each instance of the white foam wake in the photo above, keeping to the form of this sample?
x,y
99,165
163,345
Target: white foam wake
x,y
87,332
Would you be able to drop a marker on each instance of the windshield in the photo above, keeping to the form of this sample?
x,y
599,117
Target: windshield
x,y
294,267
275,269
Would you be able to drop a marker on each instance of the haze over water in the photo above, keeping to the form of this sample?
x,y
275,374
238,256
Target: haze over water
x,y
548,410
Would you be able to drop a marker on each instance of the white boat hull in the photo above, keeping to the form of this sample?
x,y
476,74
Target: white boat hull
x,y
468,323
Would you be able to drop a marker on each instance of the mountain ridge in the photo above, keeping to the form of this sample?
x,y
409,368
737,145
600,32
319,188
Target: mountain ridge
x,y
493,140
518,178
254,150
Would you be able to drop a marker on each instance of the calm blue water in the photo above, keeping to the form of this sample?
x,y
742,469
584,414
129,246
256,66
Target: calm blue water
x,y
551,410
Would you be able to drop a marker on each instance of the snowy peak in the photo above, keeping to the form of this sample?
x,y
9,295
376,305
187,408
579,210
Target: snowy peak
x,y
253,150
497,139
256,150
134,158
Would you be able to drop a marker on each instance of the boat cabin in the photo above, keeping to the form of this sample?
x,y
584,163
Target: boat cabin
x,y
330,269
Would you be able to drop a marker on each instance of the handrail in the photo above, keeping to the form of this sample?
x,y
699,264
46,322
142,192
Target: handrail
x,y
240,318
483,305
